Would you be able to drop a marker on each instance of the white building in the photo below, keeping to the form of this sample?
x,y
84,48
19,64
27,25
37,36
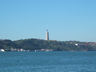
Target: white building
x,y
2,50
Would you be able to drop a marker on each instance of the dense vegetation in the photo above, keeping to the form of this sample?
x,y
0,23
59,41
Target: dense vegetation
x,y
37,44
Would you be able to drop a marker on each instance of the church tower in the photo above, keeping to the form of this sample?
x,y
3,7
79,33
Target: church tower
x,y
47,35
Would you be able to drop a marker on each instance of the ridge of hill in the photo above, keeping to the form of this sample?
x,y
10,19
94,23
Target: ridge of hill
x,y
44,45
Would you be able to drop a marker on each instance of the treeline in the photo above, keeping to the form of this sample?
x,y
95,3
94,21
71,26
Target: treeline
x,y
37,44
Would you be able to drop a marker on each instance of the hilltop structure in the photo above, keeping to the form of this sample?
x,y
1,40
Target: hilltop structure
x,y
47,35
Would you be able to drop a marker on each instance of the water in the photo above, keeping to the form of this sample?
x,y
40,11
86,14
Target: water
x,y
48,61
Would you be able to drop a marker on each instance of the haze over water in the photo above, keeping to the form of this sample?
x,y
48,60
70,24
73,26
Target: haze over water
x,y
48,61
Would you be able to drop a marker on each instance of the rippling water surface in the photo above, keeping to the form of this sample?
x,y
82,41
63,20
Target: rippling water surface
x,y
48,61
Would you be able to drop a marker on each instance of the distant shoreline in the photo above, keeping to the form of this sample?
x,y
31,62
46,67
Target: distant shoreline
x,y
36,45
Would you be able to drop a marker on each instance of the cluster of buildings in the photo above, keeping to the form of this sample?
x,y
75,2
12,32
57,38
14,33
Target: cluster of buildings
x,y
12,49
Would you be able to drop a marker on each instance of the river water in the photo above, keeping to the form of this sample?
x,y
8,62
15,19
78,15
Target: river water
x,y
48,61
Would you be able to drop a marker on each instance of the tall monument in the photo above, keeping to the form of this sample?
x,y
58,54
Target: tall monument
x,y
47,35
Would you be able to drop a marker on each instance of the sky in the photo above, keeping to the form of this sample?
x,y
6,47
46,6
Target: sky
x,y
65,19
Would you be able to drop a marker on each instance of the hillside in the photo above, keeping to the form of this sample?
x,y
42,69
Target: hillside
x,y
43,45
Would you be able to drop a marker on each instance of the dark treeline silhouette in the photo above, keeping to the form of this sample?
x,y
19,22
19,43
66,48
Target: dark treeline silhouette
x,y
37,44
